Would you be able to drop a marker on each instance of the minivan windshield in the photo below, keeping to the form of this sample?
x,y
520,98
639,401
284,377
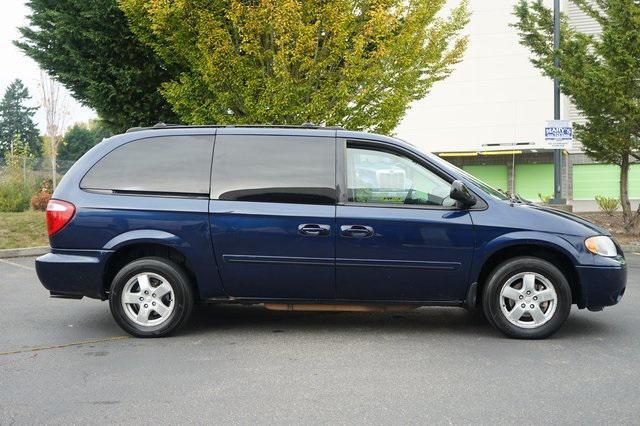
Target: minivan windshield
x,y
493,192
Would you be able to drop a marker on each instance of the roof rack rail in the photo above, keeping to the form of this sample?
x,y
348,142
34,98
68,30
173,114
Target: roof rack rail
x,y
162,125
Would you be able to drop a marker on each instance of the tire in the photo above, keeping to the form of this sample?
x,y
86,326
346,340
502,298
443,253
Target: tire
x,y
521,315
166,305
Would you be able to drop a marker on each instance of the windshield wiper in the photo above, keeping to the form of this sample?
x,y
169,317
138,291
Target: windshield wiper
x,y
514,198
509,195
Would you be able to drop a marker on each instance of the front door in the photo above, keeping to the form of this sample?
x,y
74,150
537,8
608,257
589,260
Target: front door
x,y
272,215
400,237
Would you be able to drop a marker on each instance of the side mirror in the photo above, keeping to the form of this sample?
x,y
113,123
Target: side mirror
x,y
461,194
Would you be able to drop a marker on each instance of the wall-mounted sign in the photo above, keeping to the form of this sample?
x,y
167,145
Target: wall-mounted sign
x,y
558,134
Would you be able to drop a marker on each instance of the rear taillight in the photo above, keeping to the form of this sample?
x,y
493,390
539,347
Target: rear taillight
x,y
59,213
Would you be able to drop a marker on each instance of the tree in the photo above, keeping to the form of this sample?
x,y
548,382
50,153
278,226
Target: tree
x,y
88,47
17,182
17,119
80,138
54,104
337,62
601,76
19,158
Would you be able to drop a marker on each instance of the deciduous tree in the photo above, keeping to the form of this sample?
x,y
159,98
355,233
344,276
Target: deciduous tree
x,y
55,108
355,63
79,138
601,76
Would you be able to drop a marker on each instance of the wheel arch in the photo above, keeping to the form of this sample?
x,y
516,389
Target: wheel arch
x,y
137,249
557,254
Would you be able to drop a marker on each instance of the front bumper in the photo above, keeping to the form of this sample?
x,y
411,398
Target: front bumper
x,y
601,285
73,273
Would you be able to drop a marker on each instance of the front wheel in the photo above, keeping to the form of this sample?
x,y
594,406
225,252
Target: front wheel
x,y
527,298
151,297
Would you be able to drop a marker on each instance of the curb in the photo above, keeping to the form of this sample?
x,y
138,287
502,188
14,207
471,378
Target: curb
x,y
631,248
22,252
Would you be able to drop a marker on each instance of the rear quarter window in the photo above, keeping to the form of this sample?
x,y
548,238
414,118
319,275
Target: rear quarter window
x,y
163,165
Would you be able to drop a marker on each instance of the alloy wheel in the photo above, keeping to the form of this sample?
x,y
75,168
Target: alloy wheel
x,y
148,299
528,300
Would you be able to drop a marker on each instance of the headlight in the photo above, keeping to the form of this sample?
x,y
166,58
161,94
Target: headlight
x,y
601,245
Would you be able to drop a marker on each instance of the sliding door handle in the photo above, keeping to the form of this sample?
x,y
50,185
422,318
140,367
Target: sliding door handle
x,y
314,230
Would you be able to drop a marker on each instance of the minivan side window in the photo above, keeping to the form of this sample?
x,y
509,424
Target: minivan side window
x,y
173,165
276,169
381,177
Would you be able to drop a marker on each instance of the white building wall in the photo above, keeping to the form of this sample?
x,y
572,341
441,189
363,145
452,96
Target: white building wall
x,y
580,20
494,95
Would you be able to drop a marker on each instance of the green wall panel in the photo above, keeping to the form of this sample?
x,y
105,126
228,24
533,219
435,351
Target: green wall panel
x,y
533,179
634,181
590,180
493,174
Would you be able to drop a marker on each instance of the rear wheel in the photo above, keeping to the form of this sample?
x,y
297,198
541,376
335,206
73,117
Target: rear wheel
x,y
151,297
527,298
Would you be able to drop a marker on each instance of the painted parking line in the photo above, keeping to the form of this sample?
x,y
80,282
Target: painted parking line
x,y
17,265
65,345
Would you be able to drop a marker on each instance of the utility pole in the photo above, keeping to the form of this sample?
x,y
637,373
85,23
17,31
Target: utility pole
x,y
557,153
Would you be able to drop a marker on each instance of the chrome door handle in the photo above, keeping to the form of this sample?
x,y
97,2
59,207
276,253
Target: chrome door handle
x,y
356,231
314,230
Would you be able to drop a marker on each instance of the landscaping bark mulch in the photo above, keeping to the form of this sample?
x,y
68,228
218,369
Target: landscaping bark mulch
x,y
614,224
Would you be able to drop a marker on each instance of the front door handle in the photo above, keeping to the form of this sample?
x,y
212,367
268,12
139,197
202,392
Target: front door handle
x,y
356,231
314,230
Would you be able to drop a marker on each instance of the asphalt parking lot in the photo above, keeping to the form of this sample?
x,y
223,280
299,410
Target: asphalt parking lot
x,y
66,361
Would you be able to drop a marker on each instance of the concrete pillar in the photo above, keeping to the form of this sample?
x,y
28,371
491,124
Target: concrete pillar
x,y
511,174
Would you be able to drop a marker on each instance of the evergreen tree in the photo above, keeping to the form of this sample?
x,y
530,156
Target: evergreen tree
x,y
16,119
88,47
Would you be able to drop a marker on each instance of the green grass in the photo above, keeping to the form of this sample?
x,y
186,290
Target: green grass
x,y
25,229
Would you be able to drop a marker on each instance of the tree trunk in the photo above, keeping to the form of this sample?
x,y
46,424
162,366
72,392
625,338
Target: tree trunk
x,y
630,217
54,171
54,165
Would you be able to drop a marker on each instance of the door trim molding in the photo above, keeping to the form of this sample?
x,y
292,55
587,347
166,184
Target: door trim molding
x,y
385,263
279,260
343,262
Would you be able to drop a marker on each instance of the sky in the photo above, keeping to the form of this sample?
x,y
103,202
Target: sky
x,y
17,65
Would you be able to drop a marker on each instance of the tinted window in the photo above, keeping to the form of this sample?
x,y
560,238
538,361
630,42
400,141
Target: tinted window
x,y
381,177
170,164
277,169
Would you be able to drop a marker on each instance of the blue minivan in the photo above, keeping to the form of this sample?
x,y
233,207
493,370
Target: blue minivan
x,y
311,218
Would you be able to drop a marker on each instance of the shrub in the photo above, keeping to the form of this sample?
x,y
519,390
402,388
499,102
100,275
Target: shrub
x,y
40,200
544,199
46,186
607,204
14,196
